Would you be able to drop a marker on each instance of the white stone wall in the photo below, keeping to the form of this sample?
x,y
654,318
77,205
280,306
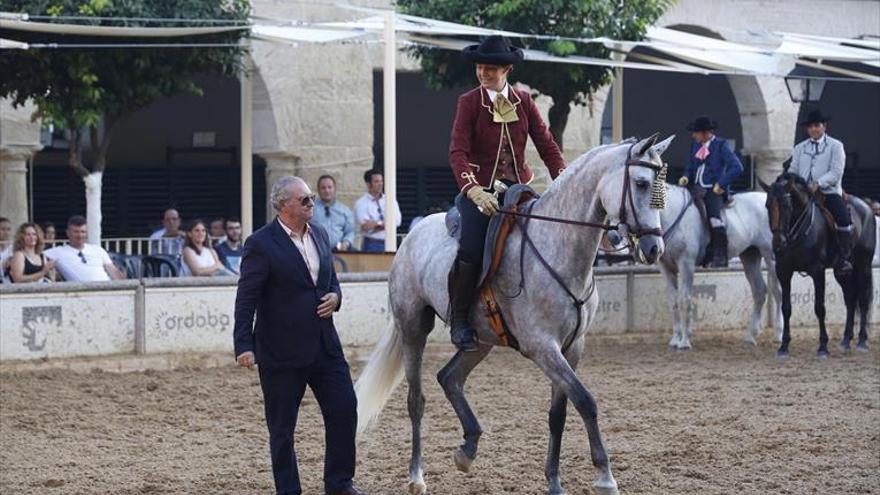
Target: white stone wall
x,y
89,322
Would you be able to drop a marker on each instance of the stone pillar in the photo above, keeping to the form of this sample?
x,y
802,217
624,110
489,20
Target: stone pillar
x,y
768,163
19,140
13,182
278,164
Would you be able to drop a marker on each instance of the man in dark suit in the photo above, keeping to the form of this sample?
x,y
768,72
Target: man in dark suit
x,y
712,167
288,280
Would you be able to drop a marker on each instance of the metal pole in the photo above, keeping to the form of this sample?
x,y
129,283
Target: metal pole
x,y
247,172
389,117
617,101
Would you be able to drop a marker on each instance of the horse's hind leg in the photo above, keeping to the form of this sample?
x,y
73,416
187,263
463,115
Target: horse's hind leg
x,y
553,364
452,378
556,417
413,350
865,290
776,291
671,276
751,261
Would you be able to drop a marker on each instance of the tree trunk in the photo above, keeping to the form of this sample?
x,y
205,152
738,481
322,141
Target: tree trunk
x,y
558,117
95,179
93,183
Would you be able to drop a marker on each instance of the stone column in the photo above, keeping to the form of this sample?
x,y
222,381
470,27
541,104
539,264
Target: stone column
x,y
768,163
13,181
278,164
19,140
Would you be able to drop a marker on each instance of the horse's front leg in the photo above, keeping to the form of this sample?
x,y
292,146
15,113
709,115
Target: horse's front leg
x,y
784,277
562,376
850,299
452,378
819,307
864,294
556,418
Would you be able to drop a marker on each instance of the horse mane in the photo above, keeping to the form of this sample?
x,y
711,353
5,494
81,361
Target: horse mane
x,y
793,177
578,164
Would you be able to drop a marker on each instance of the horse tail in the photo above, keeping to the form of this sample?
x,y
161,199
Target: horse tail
x,y
383,373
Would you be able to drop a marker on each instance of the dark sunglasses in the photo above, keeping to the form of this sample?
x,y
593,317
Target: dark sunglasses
x,y
307,200
82,257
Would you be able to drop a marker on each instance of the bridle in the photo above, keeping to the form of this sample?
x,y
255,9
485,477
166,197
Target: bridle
x,y
658,201
796,229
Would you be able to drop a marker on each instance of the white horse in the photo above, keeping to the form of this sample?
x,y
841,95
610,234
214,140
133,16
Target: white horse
x,y
687,237
545,288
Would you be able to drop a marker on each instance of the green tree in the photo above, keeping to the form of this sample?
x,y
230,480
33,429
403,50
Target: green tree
x,y
564,83
88,91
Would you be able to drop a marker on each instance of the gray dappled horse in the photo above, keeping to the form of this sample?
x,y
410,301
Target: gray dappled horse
x,y
686,236
547,307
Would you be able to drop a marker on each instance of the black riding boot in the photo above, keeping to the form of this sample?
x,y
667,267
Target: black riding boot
x,y
462,289
719,247
844,251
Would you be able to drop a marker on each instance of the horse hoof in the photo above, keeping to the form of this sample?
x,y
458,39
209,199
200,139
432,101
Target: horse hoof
x,y
462,461
782,354
845,347
862,347
751,341
417,487
822,354
605,489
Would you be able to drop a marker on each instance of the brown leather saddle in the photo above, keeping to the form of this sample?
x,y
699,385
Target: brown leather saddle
x,y
497,234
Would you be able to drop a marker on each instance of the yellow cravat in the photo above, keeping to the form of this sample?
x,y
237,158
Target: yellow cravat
x,y
503,110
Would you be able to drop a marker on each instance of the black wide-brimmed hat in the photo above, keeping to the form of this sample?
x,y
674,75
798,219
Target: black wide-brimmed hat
x,y
815,117
702,123
494,50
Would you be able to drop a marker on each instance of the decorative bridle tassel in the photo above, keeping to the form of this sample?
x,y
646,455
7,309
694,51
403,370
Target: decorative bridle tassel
x,y
658,191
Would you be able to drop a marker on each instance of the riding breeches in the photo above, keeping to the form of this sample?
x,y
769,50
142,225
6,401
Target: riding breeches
x,y
834,204
714,203
473,231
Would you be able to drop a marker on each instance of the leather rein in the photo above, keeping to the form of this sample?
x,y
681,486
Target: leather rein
x,y
523,223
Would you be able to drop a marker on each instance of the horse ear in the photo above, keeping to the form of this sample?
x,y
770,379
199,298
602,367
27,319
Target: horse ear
x,y
764,186
643,145
660,147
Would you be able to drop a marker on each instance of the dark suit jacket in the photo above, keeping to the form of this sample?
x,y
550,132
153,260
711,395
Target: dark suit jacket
x,y
475,137
722,165
276,286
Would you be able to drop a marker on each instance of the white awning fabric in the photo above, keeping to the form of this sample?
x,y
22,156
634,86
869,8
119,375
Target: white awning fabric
x,y
542,56
294,34
713,53
18,23
686,52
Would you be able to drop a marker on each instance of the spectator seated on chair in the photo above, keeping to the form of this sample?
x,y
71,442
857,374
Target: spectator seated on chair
x,y
199,258
28,263
168,239
81,262
230,250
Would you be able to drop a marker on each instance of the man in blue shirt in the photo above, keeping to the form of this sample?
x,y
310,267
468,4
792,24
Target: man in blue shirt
x,y
336,218
230,250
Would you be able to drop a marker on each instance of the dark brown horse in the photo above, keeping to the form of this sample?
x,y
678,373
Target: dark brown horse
x,y
804,241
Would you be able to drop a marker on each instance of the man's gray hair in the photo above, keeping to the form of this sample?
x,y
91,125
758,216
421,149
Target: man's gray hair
x,y
281,190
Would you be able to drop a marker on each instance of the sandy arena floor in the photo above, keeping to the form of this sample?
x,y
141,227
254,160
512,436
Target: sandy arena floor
x,y
725,418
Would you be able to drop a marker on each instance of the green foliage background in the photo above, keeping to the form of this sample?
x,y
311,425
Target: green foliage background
x,y
78,89
564,83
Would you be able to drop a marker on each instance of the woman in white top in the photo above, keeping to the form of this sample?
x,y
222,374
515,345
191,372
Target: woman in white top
x,y
199,259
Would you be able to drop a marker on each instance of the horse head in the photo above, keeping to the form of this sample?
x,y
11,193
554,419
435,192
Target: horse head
x,y
633,193
787,196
